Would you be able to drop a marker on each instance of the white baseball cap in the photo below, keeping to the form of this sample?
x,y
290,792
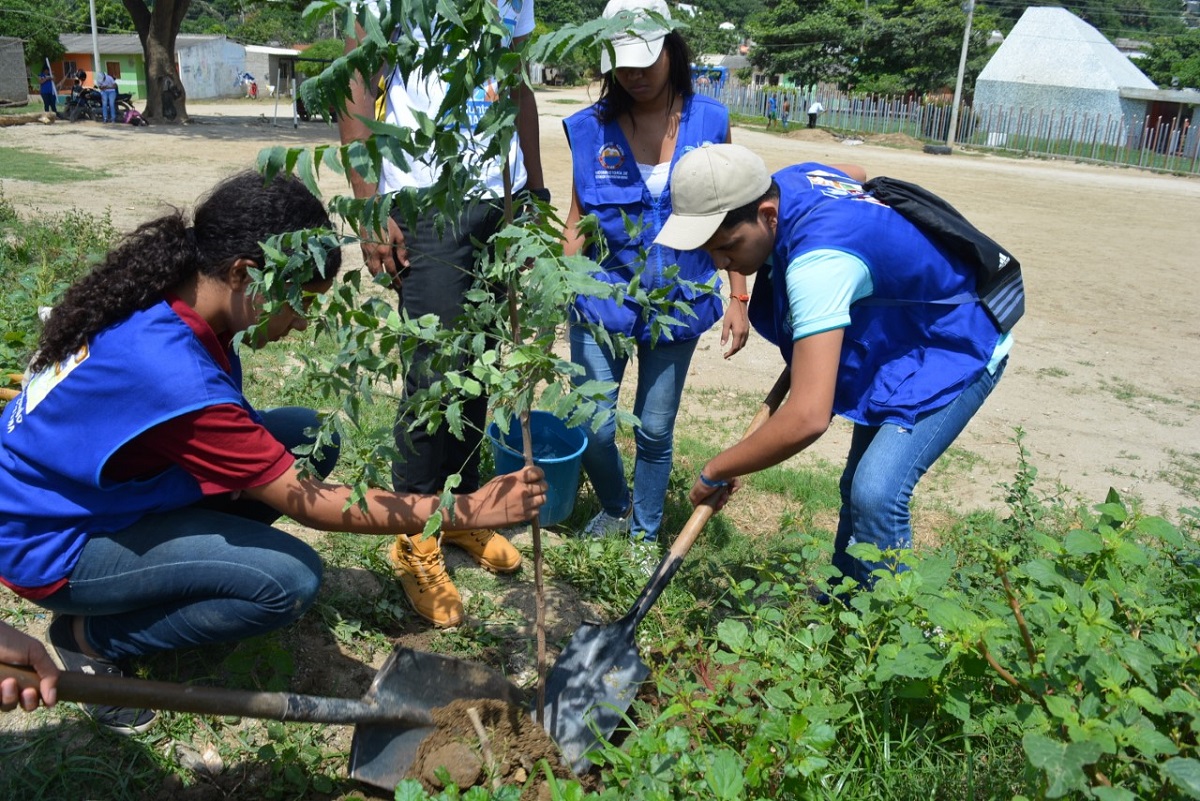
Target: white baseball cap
x,y
706,184
638,50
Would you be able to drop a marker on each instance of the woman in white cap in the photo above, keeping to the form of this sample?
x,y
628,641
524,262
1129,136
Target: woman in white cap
x,y
623,148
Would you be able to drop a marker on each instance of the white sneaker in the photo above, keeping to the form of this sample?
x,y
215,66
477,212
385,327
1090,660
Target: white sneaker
x,y
605,525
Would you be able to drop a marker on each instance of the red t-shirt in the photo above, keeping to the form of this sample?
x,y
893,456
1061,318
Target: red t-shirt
x,y
221,446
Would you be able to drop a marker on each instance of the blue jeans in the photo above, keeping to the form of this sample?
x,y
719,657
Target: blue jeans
x,y
882,470
209,573
662,371
108,104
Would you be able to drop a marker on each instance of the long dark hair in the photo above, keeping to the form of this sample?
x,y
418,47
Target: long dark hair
x,y
615,102
229,224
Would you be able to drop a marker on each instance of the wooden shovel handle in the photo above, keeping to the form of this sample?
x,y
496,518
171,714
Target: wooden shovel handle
x,y
701,514
8,394
142,694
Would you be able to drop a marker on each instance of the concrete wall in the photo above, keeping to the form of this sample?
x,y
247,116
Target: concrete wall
x,y
211,69
1056,112
14,77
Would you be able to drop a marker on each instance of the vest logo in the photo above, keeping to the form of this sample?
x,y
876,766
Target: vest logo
x,y
611,157
1004,259
40,385
832,185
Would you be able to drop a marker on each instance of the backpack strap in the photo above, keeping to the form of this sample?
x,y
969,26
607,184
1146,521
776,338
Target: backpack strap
x,y
998,272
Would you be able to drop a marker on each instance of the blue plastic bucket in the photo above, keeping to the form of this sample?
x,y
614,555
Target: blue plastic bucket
x,y
558,450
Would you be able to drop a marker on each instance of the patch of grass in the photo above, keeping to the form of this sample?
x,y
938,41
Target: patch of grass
x,y
1052,372
564,101
32,107
29,165
1183,473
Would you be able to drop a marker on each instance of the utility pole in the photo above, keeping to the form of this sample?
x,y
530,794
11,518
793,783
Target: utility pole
x,y
95,42
962,68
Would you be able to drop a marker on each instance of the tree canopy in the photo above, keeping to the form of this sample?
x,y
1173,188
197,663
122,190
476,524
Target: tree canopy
x,y
1174,62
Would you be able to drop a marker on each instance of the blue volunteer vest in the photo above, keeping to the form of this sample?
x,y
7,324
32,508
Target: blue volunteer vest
x,y
58,434
922,336
608,182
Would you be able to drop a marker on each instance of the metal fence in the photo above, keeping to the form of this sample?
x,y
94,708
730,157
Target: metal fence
x,y
1162,144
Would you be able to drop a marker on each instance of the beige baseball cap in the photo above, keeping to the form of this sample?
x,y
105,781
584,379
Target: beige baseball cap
x,y
706,184
636,51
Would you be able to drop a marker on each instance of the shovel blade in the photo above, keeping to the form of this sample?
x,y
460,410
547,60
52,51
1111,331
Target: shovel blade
x,y
382,753
592,684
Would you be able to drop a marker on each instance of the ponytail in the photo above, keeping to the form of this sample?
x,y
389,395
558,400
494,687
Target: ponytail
x,y
240,213
133,276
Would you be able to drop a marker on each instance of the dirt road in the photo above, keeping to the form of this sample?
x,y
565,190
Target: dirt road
x,y
1105,375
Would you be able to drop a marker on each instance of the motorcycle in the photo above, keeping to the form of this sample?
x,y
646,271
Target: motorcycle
x,y
87,105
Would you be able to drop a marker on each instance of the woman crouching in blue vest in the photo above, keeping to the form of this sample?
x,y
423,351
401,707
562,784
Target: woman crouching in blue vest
x,y
138,485
877,323
622,151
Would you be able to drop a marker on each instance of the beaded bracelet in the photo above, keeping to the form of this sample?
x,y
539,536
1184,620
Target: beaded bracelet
x,y
708,482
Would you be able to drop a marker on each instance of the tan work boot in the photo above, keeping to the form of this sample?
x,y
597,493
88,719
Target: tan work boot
x,y
486,547
421,569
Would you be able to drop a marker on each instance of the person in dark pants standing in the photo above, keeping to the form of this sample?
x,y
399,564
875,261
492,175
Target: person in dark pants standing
x,y
435,262
815,110
47,90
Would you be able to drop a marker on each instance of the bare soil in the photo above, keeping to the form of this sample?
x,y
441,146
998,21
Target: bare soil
x,y
1104,379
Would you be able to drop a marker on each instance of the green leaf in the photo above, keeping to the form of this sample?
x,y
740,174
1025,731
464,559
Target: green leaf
x,y
725,775
1061,707
1062,763
733,634
1083,543
1183,773
1146,700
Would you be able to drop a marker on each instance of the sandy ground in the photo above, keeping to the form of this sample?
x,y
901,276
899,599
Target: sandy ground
x,y
1104,378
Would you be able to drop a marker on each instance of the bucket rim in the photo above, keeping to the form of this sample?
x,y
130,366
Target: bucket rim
x,y
493,430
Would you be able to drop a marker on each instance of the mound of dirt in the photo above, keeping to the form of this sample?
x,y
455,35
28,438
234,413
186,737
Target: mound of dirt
x,y
811,135
501,745
896,139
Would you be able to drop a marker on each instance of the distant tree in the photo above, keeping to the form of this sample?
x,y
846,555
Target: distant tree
x,y
1171,58
735,11
705,36
35,22
322,52
914,46
556,13
111,17
884,46
807,40
1114,18
273,24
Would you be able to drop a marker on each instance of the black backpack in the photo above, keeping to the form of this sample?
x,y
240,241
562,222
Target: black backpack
x,y
1000,286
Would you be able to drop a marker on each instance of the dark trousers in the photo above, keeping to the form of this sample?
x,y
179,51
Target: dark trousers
x,y
442,268
812,120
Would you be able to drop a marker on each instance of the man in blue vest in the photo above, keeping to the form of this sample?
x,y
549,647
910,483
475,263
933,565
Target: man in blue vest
x,y
877,324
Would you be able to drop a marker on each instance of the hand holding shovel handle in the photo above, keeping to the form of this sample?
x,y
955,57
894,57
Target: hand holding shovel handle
x,y
704,511
598,673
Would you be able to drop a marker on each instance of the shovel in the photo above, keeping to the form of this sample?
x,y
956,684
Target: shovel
x,y
390,720
595,678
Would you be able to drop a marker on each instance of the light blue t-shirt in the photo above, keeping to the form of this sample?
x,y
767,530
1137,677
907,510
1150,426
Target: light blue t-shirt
x,y
822,285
